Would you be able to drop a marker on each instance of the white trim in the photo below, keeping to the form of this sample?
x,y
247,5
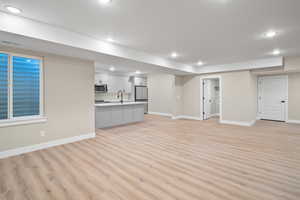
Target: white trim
x,y
291,121
221,94
22,55
42,88
186,117
161,114
22,121
27,149
10,87
238,123
214,115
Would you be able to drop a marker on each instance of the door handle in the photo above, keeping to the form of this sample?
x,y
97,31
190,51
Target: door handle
x,y
282,101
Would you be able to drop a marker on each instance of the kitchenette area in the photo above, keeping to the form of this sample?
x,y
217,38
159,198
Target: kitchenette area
x,y
120,99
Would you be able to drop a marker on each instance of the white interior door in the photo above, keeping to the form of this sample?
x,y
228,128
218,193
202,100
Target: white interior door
x,y
272,97
206,99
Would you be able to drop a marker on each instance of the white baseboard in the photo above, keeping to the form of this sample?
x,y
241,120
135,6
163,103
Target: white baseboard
x,y
290,121
214,115
161,114
238,123
27,149
186,117
177,117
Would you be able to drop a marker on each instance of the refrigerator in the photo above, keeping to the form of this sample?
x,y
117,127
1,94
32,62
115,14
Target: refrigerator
x,y
141,94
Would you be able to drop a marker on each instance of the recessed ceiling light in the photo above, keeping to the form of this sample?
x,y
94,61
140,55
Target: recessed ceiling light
x,y
109,39
137,72
276,52
174,55
13,10
112,69
200,63
270,34
105,1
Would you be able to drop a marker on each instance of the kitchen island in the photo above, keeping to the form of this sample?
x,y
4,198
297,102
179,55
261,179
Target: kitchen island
x,y
114,114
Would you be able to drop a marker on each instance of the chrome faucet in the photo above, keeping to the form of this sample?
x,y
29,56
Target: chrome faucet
x,y
120,93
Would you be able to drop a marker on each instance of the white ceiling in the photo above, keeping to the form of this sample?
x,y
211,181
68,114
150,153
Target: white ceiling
x,y
102,61
214,31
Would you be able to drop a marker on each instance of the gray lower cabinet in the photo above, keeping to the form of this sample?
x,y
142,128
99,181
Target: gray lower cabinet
x,y
138,113
117,115
103,117
128,114
109,116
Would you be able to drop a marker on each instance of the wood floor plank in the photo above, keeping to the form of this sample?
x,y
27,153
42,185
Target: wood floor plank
x,y
197,167
163,159
180,173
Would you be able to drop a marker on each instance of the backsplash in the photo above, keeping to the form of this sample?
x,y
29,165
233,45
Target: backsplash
x,y
111,96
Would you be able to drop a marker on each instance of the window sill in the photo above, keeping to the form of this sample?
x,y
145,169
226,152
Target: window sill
x,y
22,121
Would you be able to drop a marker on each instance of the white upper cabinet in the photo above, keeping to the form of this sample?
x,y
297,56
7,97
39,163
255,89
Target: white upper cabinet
x,y
114,82
140,81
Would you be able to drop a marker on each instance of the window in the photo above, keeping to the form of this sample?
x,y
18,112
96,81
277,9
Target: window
x,y
20,87
3,86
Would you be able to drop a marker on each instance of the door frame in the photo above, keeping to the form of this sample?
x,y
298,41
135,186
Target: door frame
x,y
286,114
201,94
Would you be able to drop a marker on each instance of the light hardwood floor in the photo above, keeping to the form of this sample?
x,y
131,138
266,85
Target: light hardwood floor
x,y
163,159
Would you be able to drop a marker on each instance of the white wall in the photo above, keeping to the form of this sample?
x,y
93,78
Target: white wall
x,y
114,82
292,64
191,96
292,69
161,91
178,96
294,96
69,103
238,96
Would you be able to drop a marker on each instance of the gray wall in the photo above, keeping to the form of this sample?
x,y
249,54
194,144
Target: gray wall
x,y
69,103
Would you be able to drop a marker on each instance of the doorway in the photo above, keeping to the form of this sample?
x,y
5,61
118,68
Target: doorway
x,y
211,98
273,98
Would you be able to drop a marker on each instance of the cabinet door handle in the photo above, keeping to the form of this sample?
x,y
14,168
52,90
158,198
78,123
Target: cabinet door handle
x,y
282,101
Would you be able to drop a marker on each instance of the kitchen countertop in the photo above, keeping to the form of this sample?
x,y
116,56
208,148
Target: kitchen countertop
x,y
119,104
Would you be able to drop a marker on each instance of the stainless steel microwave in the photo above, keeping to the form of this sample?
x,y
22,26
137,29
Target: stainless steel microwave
x,y
101,88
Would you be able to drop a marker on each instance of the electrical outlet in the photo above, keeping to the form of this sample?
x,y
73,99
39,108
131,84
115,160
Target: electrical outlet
x,y
43,133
